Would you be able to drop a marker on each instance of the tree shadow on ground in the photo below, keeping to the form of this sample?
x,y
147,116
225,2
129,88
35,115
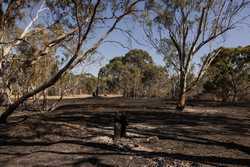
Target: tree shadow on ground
x,y
92,160
111,149
173,131
167,124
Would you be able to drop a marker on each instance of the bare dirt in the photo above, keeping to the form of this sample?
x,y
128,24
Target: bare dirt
x,y
79,133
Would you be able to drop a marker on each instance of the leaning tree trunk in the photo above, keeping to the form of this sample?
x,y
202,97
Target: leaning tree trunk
x,y
10,109
182,94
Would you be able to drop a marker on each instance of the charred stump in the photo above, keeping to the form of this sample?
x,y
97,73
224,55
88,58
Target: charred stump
x,y
180,108
120,125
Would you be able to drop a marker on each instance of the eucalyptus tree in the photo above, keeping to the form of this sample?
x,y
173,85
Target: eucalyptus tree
x,y
134,74
72,29
229,74
179,29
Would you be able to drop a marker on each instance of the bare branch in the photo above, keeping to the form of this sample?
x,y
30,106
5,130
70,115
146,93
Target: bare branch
x,y
206,63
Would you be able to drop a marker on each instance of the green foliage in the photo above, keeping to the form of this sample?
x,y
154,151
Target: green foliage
x,y
134,75
74,84
229,76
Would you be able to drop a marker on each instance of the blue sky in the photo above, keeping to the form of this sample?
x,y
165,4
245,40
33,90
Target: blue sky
x,y
237,37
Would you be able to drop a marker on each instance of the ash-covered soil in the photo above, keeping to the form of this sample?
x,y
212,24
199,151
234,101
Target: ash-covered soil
x,y
80,133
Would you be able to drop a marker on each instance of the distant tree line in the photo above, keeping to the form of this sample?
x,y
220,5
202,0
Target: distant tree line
x,y
134,75
74,84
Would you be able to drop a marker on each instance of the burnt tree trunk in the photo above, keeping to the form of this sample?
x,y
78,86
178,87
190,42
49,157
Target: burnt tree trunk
x,y
120,125
10,109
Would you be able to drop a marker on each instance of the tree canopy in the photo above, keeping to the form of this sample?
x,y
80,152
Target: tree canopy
x,y
229,74
134,75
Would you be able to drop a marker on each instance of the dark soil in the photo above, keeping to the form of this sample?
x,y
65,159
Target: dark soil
x,y
80,132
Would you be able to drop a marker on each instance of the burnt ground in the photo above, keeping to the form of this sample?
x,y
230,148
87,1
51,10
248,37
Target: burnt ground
x,y
79,133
